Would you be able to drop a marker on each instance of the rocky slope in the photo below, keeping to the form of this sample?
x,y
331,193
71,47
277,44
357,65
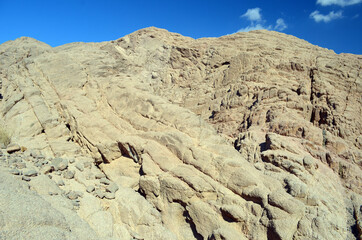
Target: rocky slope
x,y
158,136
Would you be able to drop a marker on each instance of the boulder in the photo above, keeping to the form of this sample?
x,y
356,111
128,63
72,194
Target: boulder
x,y
13,147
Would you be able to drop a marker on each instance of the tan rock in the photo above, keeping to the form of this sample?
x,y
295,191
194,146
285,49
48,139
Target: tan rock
x,y
43,185
13,147
102,223
252,135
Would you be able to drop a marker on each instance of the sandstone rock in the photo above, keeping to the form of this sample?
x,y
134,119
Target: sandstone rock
x,y
112,188
47,169
99,175
68,174
109,195
20,165
59,164
225,233
75,203
43,185
25,178
89,205
102,223
124,171
15,171
61,183
29,216
98,193
105,181
88,165
80,167
90,189
30,173
252,135
13,147
72,195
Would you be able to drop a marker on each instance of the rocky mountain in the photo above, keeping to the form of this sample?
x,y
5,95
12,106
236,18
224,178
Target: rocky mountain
x,y
159,136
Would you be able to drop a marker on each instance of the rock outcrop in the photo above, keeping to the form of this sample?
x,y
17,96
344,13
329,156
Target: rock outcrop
x,y
158,136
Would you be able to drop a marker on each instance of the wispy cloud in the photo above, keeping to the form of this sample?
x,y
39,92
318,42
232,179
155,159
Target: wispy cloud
x,y
254,16
318,17
253,27
280,25
341,3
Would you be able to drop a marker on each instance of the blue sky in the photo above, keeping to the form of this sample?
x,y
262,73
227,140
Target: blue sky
x,y
333,24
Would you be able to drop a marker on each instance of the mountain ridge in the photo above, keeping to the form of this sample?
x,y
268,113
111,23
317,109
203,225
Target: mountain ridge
x,y
155,29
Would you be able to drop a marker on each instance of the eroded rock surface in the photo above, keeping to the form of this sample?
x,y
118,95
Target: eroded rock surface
x,y
159,136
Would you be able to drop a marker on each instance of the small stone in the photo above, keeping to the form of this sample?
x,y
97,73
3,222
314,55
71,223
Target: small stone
x,y
13,147
30,173
44,162
40,157
98,193
80,167
75,203
14,171
62,166
72,160
90,188
259,166
110,195
105,181
26,178
38,164
53,193
100,175
68,174
87,165
113,187
12,160
59,164
32,153
61,182
20,165
27,153
308,161
47,169
154,75
80,194
72,195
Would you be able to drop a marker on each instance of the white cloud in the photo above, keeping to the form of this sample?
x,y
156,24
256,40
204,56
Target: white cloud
x,y
253,14
325,18
253,27
341,3
257,22
280,25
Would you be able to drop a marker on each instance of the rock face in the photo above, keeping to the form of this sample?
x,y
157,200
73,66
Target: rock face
x,y
158,136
